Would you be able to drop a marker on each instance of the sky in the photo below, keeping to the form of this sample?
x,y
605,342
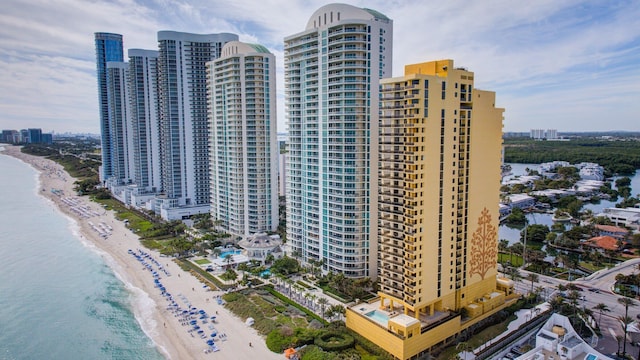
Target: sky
x,y
554,64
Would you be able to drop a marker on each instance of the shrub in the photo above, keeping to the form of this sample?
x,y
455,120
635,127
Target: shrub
x,y
313,352
231,297
334,341
277,342
280,339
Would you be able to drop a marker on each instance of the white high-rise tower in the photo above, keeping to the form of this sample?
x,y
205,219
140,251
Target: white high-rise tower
x,y
184,132
244,162
143,93
120,129
332,72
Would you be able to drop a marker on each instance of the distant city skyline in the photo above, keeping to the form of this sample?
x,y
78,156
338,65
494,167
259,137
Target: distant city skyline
x,y
569,65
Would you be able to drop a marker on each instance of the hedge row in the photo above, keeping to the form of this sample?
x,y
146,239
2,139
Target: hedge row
x,y
334,341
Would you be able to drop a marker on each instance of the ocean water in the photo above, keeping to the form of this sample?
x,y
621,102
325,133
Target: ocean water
x,y
58,297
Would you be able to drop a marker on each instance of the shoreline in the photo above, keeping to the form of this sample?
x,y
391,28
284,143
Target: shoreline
x,y
100,231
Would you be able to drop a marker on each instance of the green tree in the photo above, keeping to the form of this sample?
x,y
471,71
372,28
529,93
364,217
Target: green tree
x,y
535,233
627,302
464,347
516,217
228,259
601,307
623,181
285,265
533,277
323,303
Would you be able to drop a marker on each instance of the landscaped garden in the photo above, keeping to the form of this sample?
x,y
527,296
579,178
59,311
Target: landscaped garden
x,y
287,324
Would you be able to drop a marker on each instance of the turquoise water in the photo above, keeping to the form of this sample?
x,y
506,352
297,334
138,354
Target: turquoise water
x,y
234,252
58,298
265,273
378,317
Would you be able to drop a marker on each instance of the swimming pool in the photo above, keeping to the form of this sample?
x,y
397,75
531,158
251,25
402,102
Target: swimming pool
x,y
266,273
232,252
378,317
591,356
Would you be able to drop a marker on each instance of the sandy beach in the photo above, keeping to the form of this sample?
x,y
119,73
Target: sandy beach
x,y
168,328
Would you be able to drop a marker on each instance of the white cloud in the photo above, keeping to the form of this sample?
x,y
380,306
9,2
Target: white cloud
x,y
570,64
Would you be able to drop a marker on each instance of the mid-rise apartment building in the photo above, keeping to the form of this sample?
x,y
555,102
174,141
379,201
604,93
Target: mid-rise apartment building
x,y
244,150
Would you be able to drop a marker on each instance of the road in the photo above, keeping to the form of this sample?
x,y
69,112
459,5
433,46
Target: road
x,y
602,282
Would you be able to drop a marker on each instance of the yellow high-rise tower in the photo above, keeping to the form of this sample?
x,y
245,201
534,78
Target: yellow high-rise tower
x,y
438,193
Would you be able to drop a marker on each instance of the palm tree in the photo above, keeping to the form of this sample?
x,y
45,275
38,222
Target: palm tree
x,y
573,297
533,277
228,259
464,347
601,307
619,339
322,302
503,245
515,274
626,302
313,298
340,310
557,302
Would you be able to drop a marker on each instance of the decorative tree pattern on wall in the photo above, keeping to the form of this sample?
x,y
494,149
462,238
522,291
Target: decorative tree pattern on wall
x,y
484,246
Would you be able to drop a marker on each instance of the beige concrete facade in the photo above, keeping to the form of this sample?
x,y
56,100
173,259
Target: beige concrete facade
x,y
439,175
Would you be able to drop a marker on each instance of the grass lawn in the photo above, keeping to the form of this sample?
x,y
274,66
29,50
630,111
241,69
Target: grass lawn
x,y
514,259
590,266
261,306
137,222
202,261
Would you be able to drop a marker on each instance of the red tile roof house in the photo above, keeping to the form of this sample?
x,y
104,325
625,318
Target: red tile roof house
x,y
613,231
604,243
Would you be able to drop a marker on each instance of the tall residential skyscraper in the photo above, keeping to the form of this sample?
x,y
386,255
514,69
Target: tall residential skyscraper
x,y
184,132
143,92
244,150
108,48
439,179
332,72
120,129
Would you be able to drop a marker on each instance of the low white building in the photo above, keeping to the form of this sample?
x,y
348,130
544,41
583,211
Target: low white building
x,y
591,171
550,166
259,246
558,338
521,201
629,217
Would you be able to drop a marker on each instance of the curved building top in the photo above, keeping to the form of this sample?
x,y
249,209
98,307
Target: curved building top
x,y
236,47
335,13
